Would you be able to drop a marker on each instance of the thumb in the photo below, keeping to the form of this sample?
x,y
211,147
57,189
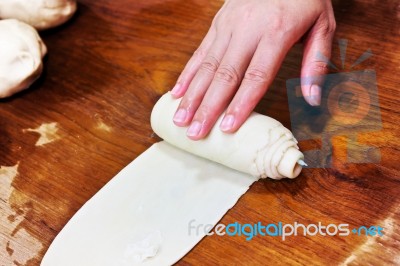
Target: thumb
x,y
316,55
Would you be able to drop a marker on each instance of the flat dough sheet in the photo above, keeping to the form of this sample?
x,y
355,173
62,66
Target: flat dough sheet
x,y
146,210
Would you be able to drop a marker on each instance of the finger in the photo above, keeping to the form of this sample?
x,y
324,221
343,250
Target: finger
x,y
258,77
316,54
224,85
193,64
201,81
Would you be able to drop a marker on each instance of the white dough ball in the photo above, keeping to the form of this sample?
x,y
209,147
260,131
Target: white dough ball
x,y
21,53
41,14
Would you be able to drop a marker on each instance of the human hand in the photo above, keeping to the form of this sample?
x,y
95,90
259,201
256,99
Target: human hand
x,y
241,54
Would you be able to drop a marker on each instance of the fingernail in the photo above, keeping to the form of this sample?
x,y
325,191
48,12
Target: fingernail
x,y
314,98
227,123
176,89
194,129
180,115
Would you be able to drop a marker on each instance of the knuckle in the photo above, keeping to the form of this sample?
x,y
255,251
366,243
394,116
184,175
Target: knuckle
x,y
185,103
210,64
333,25
328,27
219,22
222,22
203,112
256,74
190,101
320,67
199,53
276,24
227,73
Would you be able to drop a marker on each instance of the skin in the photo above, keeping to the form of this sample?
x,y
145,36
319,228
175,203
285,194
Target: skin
x,y
241,54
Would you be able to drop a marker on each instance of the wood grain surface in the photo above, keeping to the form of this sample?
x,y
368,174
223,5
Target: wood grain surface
x,y
105,70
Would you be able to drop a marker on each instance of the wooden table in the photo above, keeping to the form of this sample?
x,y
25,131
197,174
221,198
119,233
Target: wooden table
x,y
105,70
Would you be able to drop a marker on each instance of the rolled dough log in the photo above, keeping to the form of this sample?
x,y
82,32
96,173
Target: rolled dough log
x,y
41,14
21,53
261,147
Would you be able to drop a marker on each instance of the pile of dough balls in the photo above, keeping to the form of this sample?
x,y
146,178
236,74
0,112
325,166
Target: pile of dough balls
x,y
21,48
